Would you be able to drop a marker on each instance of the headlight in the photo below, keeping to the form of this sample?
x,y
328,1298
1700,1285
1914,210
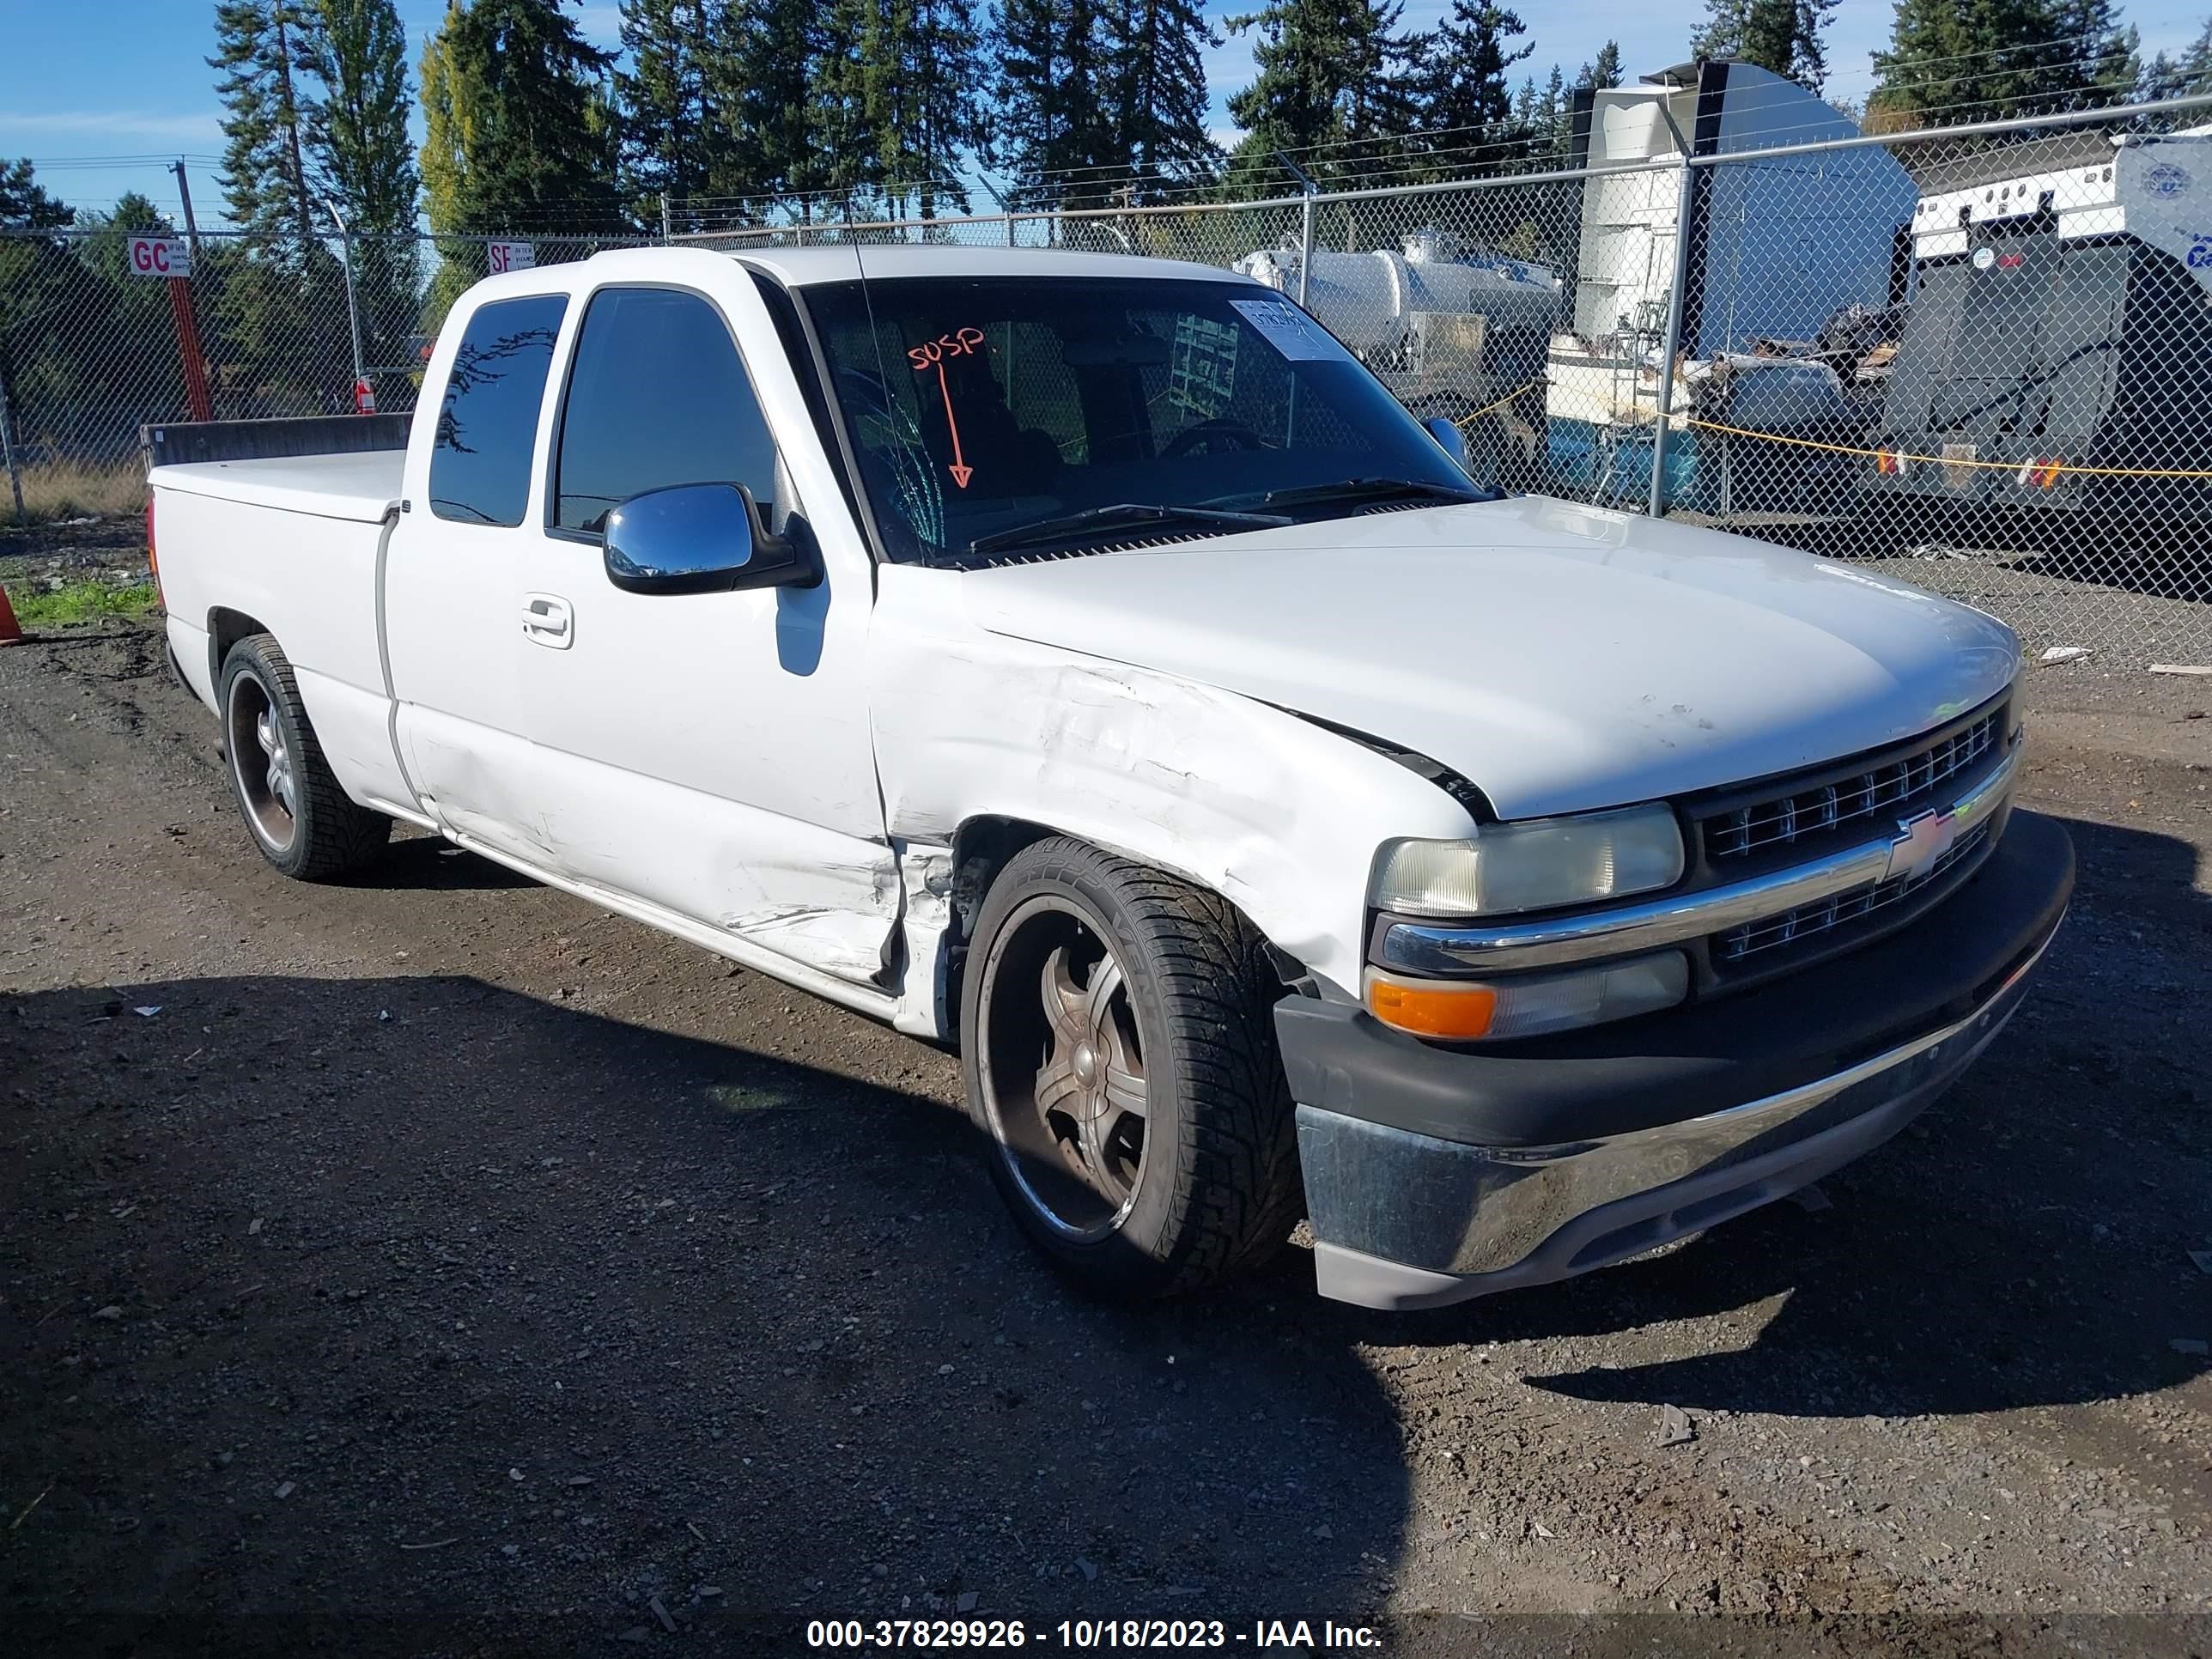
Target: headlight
x,y
1536,865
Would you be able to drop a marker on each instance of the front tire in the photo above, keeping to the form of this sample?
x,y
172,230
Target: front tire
x,y
1119,1051
300,818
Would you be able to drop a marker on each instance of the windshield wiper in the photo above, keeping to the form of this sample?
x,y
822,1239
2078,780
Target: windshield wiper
x,y
1119,514
1366,489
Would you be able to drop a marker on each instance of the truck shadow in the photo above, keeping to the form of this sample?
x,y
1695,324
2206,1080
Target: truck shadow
x,y
302,1273
2026,1243
420,861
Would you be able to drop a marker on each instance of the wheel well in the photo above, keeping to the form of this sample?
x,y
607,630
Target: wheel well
x,y
985,844
226,628
981,848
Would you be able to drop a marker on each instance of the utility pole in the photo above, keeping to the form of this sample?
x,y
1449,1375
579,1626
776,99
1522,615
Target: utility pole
x,y
185,194
189,351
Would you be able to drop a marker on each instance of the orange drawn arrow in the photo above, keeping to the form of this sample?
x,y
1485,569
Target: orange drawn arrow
x,y
961,472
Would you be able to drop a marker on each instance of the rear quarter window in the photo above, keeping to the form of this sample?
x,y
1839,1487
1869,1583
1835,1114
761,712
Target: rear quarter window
x,y
488,422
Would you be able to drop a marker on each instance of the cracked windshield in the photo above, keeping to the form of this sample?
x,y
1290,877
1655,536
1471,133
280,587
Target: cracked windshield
x,y
995,417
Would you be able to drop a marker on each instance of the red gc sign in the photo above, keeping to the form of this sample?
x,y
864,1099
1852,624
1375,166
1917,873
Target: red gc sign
x,y
159,256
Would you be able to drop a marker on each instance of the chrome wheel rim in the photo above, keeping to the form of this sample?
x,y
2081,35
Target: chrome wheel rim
x,y
261,763
1064,1069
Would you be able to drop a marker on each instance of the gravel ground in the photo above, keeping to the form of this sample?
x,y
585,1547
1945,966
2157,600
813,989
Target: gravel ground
x,y
437,1264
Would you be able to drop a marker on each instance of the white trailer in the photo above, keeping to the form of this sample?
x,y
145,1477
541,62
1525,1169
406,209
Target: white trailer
x,y
1774,247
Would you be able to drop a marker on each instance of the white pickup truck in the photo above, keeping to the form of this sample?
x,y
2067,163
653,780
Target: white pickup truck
x,y
1083,660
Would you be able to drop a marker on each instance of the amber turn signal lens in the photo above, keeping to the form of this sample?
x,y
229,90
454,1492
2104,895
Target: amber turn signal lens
x,y
1456,1013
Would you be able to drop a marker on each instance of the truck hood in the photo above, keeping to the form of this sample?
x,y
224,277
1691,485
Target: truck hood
x,y
1561,657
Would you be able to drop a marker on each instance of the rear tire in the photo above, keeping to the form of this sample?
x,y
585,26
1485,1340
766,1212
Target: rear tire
x,y
300,818
1118,1046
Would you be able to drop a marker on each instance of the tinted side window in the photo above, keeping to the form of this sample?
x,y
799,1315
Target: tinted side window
x,y
658,396
488,424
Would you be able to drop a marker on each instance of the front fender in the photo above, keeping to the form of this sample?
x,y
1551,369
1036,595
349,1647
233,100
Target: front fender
x,y
1278,816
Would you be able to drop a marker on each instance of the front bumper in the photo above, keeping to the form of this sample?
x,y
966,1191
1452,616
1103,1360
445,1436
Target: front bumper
x,y
1433,1175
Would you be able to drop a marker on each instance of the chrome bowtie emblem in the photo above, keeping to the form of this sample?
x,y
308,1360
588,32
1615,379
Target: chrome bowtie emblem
x,y
1921,840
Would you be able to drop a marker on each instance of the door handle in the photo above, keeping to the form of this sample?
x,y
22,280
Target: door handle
x,y
546,620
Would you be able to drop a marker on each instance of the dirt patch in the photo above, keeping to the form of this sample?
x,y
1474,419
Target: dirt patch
x,y
443,1266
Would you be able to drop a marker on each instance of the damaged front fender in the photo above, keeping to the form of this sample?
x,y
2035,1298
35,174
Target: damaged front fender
x,y
1277,815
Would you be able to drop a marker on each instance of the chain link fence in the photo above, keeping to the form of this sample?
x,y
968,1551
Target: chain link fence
x,y
91,349
1979,359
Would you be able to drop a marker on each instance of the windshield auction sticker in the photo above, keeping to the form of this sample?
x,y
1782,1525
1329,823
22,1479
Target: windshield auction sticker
x,y
1288,330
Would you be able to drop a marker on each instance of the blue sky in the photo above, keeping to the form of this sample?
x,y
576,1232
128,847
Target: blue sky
x,y
84,79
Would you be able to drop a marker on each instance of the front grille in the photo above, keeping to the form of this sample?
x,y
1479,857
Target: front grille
x,y
1823,915
1898,782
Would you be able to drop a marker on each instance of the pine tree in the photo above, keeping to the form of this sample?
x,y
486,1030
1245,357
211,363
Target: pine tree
x,y
262,48
358,144
675,138
2107,63
1605,71
837,101
1155,51
517,131
1465,97
1558,111
1783,36
1052,128
925,112
894,102
760,76
362,157
1964,60
1329,72
2168,76
24,204
1543,116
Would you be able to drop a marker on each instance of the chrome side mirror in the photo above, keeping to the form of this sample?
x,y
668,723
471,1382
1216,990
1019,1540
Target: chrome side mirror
x,y
698,538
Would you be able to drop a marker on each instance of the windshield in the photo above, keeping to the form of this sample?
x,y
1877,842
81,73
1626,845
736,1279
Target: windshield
x,y
1028,412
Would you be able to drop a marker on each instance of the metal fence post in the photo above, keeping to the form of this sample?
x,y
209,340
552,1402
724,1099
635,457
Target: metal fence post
x,y
1307,192
1677,288
1306,243
353,305
7,451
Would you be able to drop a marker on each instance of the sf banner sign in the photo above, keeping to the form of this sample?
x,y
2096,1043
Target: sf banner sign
x,y
503,257
159,256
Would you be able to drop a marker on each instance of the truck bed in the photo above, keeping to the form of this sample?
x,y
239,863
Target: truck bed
x,y
360,486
